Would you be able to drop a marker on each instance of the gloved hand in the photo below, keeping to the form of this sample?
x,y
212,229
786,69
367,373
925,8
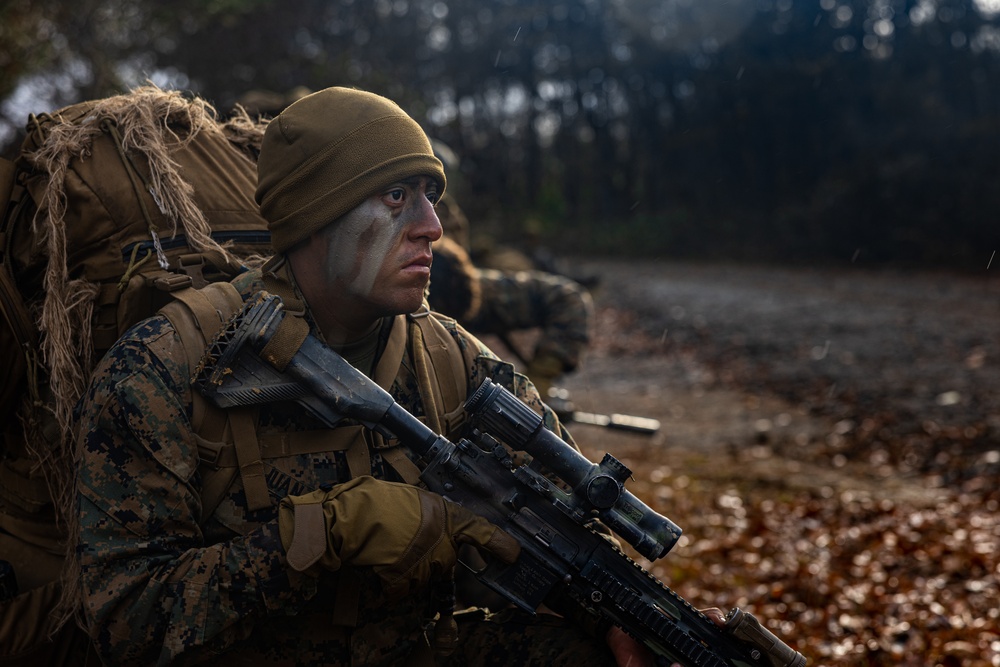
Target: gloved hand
x,y
408,535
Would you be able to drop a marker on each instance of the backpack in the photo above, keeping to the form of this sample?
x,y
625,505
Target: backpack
x,y
110,208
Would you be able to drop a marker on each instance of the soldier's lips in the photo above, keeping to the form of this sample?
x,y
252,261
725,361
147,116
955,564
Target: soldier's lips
x,y
419,265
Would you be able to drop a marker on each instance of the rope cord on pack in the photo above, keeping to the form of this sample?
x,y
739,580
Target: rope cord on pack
x,y
132,267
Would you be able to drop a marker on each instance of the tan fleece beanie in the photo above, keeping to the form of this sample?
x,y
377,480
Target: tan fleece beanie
x,y
328,152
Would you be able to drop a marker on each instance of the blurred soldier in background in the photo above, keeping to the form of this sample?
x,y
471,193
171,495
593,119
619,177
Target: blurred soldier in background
x,y
498,302
507,292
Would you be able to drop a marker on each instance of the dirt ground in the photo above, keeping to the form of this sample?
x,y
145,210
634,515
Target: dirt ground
x,y
829,442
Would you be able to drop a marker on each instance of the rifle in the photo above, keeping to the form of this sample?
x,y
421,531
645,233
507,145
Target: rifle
x,y
564,563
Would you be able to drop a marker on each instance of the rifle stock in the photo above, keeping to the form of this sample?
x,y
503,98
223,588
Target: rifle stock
x,y
564,563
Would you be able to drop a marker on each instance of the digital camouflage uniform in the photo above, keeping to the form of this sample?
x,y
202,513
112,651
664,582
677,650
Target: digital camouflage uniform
x,y
162,585
525,299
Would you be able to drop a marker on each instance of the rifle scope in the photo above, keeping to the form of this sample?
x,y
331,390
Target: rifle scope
x,y
596,487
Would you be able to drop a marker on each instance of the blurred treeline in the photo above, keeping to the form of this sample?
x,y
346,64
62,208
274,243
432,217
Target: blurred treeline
x,y
794,130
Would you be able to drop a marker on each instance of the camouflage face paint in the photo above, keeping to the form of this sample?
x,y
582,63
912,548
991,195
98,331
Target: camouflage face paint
x,y
359,244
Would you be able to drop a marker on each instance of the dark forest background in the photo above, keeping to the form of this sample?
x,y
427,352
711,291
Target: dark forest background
x,y
822,131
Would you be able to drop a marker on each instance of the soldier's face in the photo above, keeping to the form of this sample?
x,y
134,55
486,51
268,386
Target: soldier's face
x,y
379,254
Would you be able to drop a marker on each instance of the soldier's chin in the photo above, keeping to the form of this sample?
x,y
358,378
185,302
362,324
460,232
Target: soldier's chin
x,y
413,302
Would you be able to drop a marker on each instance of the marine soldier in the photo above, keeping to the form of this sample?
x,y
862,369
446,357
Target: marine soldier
x,y
191,535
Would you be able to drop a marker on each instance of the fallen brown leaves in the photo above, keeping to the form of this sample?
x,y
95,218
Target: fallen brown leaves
x,y
875,543
846,577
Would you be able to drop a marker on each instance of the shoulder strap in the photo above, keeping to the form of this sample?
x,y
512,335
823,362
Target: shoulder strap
x,y
442,376
197,316
442,379
292,330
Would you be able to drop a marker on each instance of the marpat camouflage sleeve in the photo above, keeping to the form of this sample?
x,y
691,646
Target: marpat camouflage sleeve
x,y
153,590
526,299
